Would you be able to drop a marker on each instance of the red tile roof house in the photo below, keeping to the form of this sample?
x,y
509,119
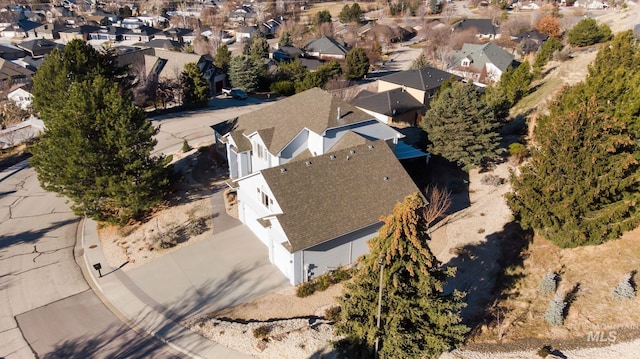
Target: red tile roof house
x,y
313,175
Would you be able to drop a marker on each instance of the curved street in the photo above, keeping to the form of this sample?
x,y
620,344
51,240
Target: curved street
x,y
48,309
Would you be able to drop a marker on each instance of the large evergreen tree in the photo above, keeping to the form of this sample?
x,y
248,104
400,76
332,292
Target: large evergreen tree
x,y
244,72
461,127
357,63
223,58
97,144
195,91
516,82
581,184
588,32
418,320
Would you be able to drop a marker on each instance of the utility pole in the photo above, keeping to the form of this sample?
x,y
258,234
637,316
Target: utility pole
x,y
379,307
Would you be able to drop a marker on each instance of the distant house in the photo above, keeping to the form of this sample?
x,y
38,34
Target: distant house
x,y
301,166
46,31
10,72
20,28
174,33
21,132
108,33
161,44
482,63
529,41
403,97
244,33
10,52
483,28
21,97
394,107
327,48
286,53
82,32
140,33
269,27
39,47
385,34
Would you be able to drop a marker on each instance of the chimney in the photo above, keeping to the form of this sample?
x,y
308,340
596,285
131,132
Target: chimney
x,y
339,114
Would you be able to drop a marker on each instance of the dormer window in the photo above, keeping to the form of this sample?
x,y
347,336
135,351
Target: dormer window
x,y
466,62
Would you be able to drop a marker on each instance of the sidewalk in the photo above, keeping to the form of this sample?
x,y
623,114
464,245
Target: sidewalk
x,y
140,310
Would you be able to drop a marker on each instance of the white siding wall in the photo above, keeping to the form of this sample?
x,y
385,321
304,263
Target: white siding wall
x,y
251,206
260,157
295,147
316,144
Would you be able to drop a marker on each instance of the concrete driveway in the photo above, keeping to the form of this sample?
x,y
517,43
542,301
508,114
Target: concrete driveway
x,y
229,268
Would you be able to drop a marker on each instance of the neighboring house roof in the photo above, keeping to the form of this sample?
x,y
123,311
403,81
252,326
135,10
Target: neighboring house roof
x,y
530,35
310,64
28,25
39,47
21,132
169,64
142,30
424,79
82,29
280,122
317,196
327,46
480,55
482,26
390,103
9,52
160,44
9,70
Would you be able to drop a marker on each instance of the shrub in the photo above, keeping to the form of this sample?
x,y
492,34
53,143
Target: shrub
x,y
185,146
196,226
492,180
286,88
518,151
340,275
544,351
166,239
624,290
333,313
262,331
555,312
306,289
548,283
324,281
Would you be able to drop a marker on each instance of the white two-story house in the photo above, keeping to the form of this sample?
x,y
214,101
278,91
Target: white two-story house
x,y
313,175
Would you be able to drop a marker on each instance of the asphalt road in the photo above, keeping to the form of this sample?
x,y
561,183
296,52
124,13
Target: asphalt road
x,y
48,309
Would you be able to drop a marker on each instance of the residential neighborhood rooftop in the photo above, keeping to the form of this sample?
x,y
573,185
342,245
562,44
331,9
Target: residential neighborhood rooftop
x,y
424,79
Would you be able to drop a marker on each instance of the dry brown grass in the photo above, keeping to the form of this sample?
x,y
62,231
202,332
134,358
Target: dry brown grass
x,y
590,272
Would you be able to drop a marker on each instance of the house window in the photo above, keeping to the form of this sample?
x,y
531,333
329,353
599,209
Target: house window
x,y
466,62
260,151
264,198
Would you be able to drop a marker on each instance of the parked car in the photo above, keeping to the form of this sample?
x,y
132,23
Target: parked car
x,y
236,93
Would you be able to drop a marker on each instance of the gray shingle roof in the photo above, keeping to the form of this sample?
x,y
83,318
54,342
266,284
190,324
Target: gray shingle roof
x,y
424,79
483,26
391,103
337,193
314,109
480,55
327,45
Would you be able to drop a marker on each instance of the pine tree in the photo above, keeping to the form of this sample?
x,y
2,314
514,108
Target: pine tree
x,y
467,133
244,72
259,48
95,151
357,63
516,82
580,186
195,91
587,32
223,58
418,320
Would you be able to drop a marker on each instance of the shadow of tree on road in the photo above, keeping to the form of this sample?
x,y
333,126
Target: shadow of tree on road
x,y
33,235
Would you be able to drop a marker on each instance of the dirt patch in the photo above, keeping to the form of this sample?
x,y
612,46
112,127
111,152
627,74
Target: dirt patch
x,y
186,216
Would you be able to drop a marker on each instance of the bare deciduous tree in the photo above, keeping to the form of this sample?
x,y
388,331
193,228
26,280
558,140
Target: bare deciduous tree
x,y
438,203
